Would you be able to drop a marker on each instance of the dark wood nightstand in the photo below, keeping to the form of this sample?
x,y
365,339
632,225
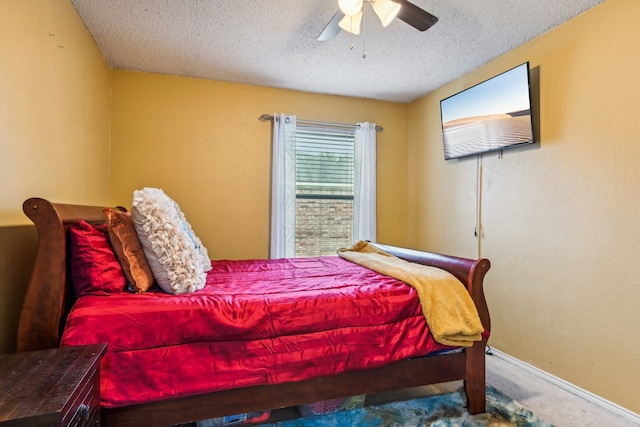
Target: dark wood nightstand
x,y
56,387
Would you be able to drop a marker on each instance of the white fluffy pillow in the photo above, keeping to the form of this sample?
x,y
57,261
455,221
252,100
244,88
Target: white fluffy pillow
x,y
177,258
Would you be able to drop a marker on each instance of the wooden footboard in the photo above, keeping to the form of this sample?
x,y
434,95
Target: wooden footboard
x,y
44,311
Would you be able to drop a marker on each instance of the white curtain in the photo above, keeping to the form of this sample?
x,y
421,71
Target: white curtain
x,y
283,188
364,204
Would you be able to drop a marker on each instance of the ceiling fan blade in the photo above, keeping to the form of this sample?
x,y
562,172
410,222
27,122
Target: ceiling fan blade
x,y
332,29
418,18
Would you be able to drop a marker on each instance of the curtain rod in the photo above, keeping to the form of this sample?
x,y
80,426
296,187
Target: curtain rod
x,y
269,118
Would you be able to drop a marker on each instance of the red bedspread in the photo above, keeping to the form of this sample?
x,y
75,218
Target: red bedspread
x,y
255,322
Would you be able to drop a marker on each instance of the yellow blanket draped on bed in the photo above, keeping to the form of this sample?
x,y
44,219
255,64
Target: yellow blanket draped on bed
x,y
447,306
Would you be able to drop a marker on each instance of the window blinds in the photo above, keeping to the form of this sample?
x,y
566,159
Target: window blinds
x,y
324,163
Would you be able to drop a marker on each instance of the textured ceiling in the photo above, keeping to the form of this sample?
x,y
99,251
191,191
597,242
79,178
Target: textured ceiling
x,y
273,42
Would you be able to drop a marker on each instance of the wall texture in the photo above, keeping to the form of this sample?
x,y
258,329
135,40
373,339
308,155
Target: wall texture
x,y
202,143
561,219
54,131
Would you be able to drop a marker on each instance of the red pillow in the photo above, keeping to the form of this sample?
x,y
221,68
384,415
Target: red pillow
x,y
95,270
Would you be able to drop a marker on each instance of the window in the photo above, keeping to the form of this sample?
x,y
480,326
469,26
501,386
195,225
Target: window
x,y
322,187
324,190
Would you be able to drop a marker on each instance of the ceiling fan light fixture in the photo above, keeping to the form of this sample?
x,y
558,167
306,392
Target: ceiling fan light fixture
x,y
386,10
351,23
350,7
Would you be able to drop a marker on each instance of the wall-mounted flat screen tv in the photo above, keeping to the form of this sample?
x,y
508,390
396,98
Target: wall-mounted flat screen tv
x,y
492,115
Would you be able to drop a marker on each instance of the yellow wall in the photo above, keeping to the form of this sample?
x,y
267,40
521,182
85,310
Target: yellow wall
x,y
54,131
201,142
561,220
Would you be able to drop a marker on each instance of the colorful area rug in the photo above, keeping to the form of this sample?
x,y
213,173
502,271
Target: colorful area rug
x,y
446,410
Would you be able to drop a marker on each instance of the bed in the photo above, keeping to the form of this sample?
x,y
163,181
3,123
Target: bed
x,y
49,301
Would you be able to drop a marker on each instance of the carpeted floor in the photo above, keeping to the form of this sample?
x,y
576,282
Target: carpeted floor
x,y
446,410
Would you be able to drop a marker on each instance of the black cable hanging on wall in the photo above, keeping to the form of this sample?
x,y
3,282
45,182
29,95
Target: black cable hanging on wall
x,y
478,228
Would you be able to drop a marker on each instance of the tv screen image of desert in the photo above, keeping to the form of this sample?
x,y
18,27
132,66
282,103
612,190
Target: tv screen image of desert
x,y
490,116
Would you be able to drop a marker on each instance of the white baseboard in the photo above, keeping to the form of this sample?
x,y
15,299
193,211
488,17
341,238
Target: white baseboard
x,y
587,395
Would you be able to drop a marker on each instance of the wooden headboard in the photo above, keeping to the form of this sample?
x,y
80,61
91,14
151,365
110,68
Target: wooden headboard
x,y
44,303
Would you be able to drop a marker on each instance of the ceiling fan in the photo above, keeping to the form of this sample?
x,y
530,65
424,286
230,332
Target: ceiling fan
x,y
350,12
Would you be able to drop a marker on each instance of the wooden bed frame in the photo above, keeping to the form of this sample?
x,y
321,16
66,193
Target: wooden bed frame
x,y
47,300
